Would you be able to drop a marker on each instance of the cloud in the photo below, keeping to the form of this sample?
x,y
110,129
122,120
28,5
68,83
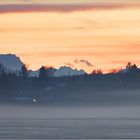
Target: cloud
x,y
115,70
69,65
85,62
17,8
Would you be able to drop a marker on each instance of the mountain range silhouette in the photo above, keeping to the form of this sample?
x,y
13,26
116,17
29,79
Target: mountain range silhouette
x,y
66,86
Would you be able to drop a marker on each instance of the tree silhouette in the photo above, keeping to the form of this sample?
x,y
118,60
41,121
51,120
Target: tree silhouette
x,y
50,71
97,72
132,67
42,72
129,65
46,72
24,71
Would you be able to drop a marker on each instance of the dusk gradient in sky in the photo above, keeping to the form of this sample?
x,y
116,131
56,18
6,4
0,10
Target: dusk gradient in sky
x,y
105,33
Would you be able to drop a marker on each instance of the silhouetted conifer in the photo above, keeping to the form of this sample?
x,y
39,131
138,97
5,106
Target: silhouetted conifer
x,y
24,71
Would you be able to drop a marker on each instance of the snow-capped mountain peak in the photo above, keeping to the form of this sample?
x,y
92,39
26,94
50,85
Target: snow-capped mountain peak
x,y
11,62
68,71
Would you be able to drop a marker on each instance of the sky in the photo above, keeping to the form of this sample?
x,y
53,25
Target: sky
x,y
83,34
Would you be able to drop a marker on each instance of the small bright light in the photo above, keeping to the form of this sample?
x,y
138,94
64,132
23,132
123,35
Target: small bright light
x,y
34,100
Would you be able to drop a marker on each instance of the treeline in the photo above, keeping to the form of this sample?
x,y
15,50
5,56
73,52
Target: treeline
x,y
47,88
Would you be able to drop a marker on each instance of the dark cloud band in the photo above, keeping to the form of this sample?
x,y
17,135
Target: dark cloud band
x,y
16,8
85,62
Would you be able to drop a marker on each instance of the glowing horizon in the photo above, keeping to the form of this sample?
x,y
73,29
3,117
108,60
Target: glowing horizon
x,y
105,33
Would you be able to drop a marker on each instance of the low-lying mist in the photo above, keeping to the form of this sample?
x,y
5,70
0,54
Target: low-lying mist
x,y
45,112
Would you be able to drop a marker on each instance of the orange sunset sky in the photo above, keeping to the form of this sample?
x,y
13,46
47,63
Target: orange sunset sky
x,y
106,33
